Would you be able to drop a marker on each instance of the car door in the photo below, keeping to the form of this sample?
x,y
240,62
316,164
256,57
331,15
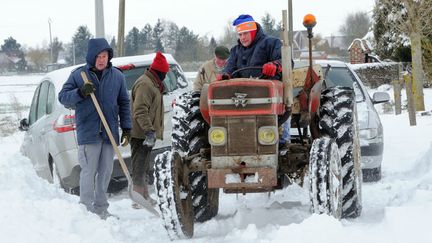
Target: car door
x,y
27,147
38,129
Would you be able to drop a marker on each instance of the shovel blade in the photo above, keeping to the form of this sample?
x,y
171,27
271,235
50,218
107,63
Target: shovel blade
x,y
138,198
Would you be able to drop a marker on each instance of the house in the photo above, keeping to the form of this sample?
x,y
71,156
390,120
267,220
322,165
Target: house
x,y
360,51
8,62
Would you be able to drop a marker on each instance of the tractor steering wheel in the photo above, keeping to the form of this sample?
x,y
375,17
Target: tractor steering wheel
x,y
247,68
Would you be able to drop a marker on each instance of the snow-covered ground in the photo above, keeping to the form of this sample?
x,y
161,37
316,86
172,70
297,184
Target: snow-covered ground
x,y
396,209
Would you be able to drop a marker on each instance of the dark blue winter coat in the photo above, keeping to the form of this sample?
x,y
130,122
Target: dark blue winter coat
x,y
263,49
111,93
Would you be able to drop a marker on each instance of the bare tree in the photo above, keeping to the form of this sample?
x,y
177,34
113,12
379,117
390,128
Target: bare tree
x,y
427,55
39,56
356,25
229,37
412,18
57,46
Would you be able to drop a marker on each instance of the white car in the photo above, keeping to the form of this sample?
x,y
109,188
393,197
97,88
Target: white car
x,y
371,129
50,137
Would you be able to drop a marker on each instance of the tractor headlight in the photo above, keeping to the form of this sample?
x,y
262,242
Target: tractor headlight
x,y
217,136
267,135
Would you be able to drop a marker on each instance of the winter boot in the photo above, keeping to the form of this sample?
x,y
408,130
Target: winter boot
x,y
146,195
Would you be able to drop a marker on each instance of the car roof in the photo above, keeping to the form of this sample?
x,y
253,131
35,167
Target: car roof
x,y
141,60
58,77
323,63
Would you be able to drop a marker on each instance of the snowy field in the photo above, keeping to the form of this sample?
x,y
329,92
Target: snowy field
x,y
396,209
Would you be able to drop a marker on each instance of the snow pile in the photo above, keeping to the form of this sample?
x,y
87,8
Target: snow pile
x,y
34,210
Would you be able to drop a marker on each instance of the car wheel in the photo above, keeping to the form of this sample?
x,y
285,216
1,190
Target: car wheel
x,y
55,175
56,178
372,175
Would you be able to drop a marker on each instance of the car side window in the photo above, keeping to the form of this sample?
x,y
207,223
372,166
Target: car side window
x,y
170,81
33,107
132,75
339,76
173,80
51,99
181,79
42,100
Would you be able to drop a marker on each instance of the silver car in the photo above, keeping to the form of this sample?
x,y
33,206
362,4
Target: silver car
x,y
371,129
50,137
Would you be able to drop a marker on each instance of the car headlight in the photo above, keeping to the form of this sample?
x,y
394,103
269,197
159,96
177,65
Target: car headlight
x,y
217,136
267,135
369,133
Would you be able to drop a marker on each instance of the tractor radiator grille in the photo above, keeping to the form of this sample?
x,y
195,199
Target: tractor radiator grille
x,y
242,135
229,92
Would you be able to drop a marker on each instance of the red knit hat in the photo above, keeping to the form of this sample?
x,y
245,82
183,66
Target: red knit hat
x,y
160,63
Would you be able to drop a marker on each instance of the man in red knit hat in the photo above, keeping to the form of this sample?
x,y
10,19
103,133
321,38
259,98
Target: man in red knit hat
x,y
147,121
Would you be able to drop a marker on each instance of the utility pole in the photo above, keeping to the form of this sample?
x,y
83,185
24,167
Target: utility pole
x,y
121,26
99,19
73,50
51,44
286,61
290,23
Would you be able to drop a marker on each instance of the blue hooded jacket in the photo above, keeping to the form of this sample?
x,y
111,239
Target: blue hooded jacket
x,y
263,49
111,93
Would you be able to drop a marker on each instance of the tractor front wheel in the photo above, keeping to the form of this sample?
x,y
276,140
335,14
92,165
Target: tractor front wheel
x,y
325,177
174,195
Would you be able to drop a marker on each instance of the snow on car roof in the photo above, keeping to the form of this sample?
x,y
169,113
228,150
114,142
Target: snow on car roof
x,y
323,63
141,60
59,76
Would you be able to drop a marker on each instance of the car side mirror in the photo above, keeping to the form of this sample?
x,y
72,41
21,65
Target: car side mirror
x,y
23,125
380,97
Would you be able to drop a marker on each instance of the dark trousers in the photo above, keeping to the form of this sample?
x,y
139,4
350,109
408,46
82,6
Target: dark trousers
x,y
141,164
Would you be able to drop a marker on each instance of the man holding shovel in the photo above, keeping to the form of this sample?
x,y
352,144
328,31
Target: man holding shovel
x,y
95,152
148,122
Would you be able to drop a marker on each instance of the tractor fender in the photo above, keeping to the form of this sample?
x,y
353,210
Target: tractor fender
x,y
314,105
315,97
204,108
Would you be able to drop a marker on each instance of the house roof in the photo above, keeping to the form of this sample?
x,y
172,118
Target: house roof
x,y
364,45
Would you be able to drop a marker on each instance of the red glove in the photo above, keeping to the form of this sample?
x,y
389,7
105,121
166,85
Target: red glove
x,y
270,69
222,76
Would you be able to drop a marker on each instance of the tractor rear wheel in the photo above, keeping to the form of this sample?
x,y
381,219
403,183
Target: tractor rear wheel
x,y
174,195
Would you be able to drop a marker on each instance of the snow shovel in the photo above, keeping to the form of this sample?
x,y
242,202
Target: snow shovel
x,y
135,196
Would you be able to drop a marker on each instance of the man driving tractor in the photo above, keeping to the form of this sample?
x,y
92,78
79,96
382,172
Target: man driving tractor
x,y
255,55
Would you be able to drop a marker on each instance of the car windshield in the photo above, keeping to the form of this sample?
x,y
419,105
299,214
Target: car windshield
x,y
171,82
342,76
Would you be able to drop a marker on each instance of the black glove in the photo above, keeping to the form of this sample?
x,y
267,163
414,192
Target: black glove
x,y
150,139
223,76
125,137
87,89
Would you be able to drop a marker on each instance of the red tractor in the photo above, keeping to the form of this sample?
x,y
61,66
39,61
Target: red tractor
x,y
226,137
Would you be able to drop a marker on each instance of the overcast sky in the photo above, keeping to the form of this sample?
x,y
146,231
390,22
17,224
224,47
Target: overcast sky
x,y
27,21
